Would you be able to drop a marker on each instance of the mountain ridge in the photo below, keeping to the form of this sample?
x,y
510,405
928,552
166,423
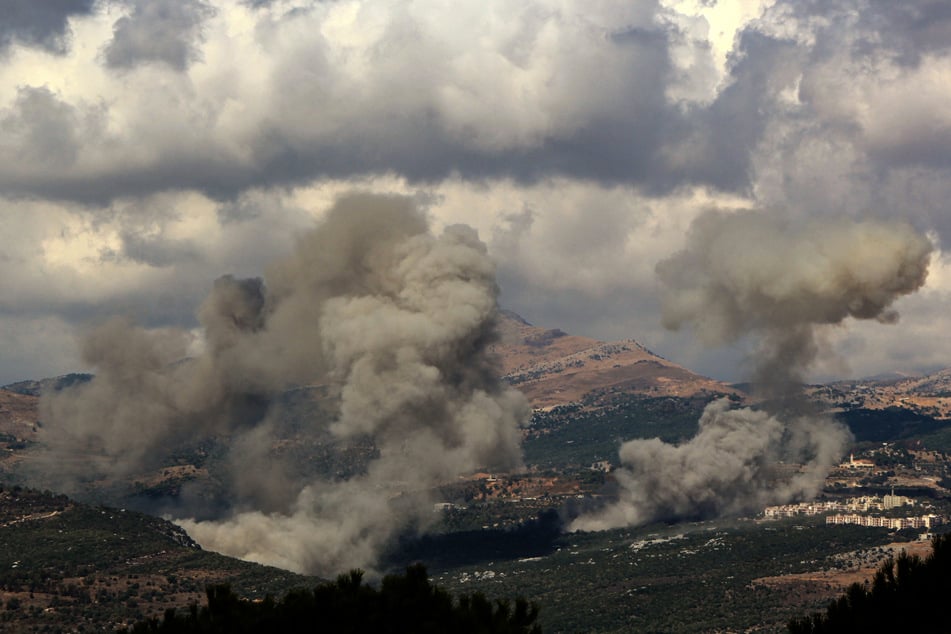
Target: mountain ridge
x,y
553,368
929,394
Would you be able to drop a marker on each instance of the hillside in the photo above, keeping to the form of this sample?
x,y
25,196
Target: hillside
x,y
18,415
36,387
68,566
928,395
554,368
499,533
18,424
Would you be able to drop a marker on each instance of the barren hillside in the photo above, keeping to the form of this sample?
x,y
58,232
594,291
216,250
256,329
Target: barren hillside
x,y
18,415
554,368
929,394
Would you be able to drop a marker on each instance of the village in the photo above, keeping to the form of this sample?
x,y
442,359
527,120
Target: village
x,y
922,472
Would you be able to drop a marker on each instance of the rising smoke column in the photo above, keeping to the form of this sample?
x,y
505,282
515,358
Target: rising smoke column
x,y
753,272
395,319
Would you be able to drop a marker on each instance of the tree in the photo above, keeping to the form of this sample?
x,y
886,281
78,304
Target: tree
x,y
403,603
906,594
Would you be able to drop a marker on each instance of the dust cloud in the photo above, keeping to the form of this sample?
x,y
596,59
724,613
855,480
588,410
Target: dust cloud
x,y
756,273
392,319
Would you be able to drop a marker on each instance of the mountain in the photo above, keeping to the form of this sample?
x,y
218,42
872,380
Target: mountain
x,y
56,383
554,368
928,395
622,387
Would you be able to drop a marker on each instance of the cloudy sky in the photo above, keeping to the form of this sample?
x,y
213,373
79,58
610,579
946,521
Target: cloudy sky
x,y
149,146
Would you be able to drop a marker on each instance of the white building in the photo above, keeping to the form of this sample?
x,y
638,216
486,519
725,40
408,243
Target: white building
x,y
922,521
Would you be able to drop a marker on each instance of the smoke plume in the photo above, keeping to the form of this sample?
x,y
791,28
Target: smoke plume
x,y
393,320
752,272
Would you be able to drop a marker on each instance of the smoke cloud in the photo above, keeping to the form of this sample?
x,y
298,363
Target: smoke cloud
x,y
756,272
752,272
393,321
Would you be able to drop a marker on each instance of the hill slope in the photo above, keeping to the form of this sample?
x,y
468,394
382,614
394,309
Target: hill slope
x,y
929,395
554,368
18,415
70,565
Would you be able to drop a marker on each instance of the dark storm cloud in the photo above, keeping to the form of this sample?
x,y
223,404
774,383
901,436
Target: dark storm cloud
x,y
238,210
717,141
620,145
320,120
643,138
42,129
170,301
876,49
907,30
927,25
157,251
307,135
40,23
162,31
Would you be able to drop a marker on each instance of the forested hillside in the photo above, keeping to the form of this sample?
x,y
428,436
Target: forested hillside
x,y
908,594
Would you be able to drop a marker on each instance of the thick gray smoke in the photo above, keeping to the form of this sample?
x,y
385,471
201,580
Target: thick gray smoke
x,y
752,272
393,320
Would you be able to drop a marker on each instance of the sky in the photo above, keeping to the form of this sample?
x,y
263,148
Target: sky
x,y
148,147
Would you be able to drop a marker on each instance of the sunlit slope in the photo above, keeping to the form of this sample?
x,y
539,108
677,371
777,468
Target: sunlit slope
x,y
554,368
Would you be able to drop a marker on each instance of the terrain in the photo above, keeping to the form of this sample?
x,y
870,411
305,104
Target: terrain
x,y
19,416
74,567
927,395
499,533
554,368
697,577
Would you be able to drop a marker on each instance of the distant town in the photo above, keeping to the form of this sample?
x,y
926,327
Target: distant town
x,y
919,470
860,508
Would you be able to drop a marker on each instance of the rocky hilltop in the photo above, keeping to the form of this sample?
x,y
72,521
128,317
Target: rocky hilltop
x,y
554,368
929,394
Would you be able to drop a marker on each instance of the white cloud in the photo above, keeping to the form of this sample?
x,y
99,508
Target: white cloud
x,y
580,139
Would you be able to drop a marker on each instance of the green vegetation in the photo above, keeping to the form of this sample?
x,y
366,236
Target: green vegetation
x,y
682,578
479,516
55,384
534,537
907,594
63,563
578,435
939,440
890,424
403,603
